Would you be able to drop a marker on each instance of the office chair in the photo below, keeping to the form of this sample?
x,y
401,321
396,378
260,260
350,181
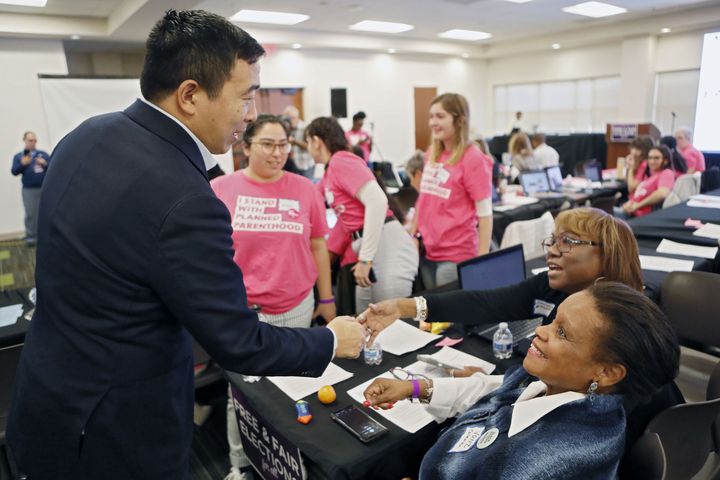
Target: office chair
x,y
646,460
605,203
691,302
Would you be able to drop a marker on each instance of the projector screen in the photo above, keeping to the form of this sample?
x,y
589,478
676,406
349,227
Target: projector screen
x,y
70,101
707,113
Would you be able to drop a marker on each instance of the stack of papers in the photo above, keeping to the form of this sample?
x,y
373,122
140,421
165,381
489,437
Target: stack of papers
x,y
664,264
409,416
401,338
300,387
684,249
709,230
704,201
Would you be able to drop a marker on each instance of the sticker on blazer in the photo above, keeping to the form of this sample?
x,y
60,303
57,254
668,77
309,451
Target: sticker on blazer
x,y
488,438
467,440
543,308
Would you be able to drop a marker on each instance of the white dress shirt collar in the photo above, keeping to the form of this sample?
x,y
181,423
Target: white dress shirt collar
x,y
207,157
530,407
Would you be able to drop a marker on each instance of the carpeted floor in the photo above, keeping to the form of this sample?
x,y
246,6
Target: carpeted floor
x,y
17,265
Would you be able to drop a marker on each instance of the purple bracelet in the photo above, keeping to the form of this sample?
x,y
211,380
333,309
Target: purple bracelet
x,y
416,389
327,301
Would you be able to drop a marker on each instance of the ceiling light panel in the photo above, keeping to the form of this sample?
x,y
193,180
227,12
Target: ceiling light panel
x,y
261,16
381,27
24,3
469,35
594,9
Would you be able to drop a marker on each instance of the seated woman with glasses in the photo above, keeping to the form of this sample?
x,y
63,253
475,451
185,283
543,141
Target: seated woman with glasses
x,y
561,414
651,192
279,227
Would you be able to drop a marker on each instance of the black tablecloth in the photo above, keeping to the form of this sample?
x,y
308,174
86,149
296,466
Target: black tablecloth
x,y
333,453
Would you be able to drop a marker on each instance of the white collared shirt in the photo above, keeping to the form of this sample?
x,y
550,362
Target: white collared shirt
x,y
207,157
453,396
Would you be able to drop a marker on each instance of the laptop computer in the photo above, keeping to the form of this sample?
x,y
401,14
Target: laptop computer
x,y
497,269
593,171
555,178
536,184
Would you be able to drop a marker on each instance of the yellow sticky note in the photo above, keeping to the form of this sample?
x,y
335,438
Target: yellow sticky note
x,y
7,280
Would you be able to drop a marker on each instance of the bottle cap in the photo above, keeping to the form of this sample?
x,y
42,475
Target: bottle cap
x,y
503,325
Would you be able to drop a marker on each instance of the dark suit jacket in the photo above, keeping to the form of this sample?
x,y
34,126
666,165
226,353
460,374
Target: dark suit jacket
x,y
134,252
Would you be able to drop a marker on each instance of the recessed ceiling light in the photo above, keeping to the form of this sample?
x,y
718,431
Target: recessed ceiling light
x,y
260,16
297,45
391,50
465,55
594,9
25,3
555,46
75,37
458,34
518,1
665,30
382,27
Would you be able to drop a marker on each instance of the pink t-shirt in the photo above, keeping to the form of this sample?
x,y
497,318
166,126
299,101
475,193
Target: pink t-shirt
x,y
694,158
345,175
640,172
272,227
354,137
338,242
663,178
447,218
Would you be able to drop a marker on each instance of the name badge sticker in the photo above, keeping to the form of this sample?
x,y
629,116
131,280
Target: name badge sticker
x,y
468,439
488,438
543,308
442,174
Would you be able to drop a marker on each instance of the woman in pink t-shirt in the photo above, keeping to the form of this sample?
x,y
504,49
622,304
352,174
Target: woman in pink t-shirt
x,y
636,161
279,227
653,190
350,188
454,209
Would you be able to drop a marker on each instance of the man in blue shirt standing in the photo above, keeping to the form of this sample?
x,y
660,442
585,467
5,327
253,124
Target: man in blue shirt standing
x,y
32,164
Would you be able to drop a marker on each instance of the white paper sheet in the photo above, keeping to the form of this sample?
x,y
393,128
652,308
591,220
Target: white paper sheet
x,y
709,230
664,264
535,271
10,314
704,201
300,387
401,338
409,416
684,249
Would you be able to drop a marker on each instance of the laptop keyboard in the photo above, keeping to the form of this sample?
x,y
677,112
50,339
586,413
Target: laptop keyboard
x,y
520,329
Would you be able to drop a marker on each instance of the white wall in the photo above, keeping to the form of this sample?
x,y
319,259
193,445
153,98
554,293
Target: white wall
x,y
22,61
381,85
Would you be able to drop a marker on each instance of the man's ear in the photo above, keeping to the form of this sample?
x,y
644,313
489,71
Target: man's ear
x,y
186,96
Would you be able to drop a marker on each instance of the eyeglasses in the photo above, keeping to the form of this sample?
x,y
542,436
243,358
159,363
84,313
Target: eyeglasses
x,y
404,375
269,147
564,243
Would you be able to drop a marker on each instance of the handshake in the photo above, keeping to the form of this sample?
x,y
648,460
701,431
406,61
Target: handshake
x,y
354,333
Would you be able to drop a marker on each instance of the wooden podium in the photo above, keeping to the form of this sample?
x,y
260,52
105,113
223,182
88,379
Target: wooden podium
x,y
619,135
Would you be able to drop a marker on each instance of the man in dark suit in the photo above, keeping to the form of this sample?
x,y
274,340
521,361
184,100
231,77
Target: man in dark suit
x,y
136,252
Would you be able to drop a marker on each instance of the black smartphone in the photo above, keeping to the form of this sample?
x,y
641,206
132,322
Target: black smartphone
x,y
372,276
26,152
359,423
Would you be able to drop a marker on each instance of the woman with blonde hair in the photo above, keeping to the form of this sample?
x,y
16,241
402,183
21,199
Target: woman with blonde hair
x,y
454,208
521,153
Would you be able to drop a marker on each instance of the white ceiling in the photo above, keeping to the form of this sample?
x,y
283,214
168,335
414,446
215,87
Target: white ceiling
x,y
515,27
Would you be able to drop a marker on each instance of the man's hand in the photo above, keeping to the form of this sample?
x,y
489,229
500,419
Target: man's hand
x,y
383,391
25,160
378,316
40,161
350,337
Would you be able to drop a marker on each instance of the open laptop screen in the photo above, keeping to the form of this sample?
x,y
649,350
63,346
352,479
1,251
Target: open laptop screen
x,y
494,270
533,182
593,171
554,178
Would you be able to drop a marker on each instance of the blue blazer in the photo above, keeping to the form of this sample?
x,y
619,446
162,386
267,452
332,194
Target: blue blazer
x,y
134,252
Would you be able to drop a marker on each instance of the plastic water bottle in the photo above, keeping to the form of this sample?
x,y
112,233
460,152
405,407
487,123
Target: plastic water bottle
x,y
373,354
502,342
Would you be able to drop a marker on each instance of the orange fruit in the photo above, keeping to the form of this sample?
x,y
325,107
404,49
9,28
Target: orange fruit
x,y
326,394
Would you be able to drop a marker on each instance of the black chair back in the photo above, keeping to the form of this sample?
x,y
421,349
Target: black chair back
x,y
710,179
9,358
690,299
647,459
